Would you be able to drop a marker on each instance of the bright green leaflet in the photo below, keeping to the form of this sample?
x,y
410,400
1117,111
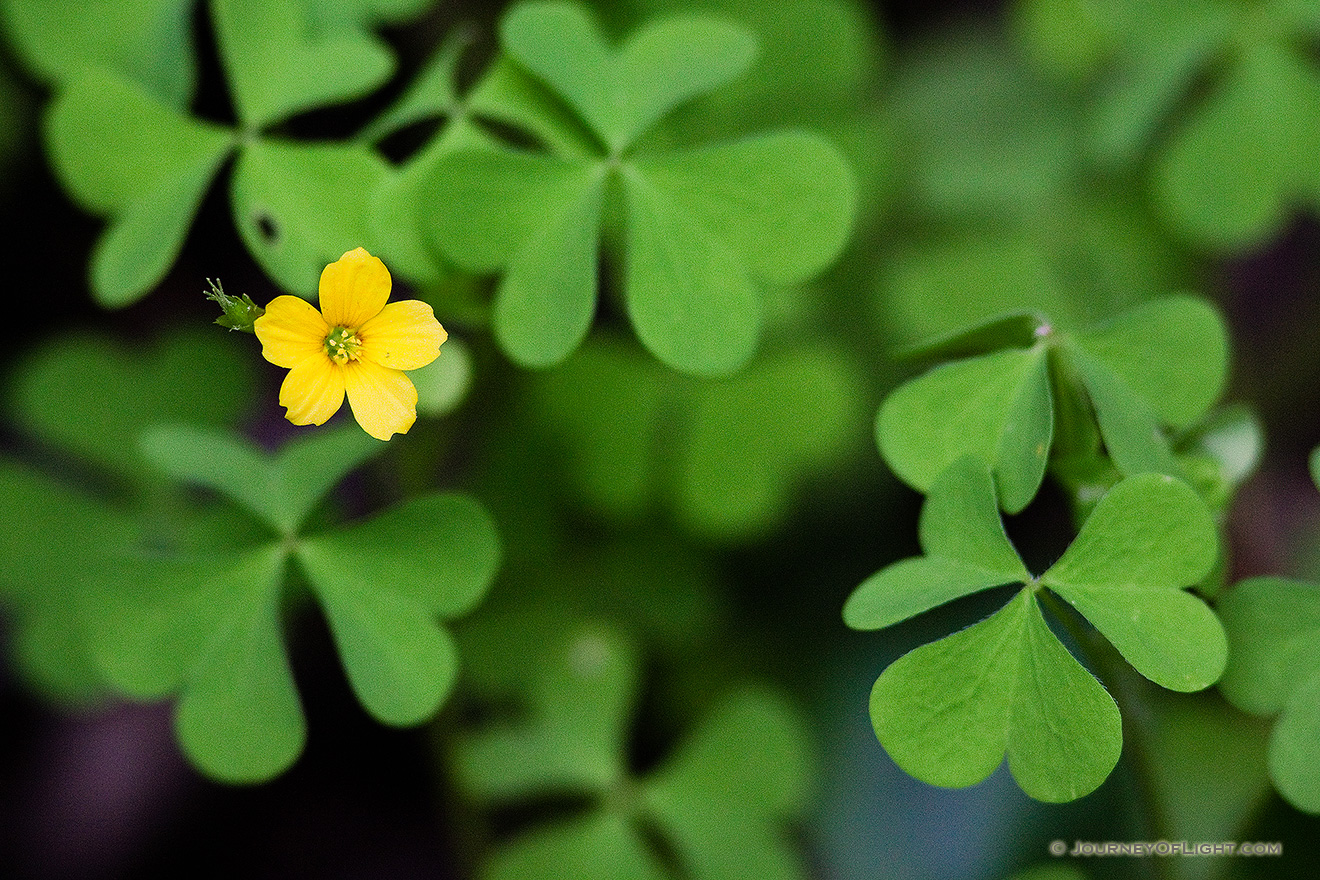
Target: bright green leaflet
x,y
948,711
700,228
432,556
207,626
1149,537
622,93
1274,668
997,406
299,206
815,65
722,794
1008,679
688,303
278,65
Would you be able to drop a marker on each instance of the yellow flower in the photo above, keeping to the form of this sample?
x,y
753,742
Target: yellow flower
x,y
355,345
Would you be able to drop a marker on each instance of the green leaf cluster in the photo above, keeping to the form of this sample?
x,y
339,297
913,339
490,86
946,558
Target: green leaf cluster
x,y
1041,393
997,210
723,456
949,711
716,806
207,625
698,230
1273,626
1217,100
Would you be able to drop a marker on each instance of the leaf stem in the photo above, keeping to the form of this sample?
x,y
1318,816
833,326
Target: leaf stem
x,y
1125,686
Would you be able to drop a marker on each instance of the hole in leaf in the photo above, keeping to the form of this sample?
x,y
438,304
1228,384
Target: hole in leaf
x,y
267,228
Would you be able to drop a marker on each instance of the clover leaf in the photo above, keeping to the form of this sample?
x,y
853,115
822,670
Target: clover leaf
x,y
1273,628
702,227
146,164
1161,364
278,64
207,625
724,455
718,802
949,711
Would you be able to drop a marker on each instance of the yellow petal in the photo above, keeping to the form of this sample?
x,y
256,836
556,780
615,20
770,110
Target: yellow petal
x,y
313,391
384,401
354,289
404,336
291,331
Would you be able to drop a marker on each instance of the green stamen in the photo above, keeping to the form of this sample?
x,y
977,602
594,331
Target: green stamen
x,y
342,345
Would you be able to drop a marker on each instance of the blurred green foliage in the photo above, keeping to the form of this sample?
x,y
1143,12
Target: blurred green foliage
x,y
699,262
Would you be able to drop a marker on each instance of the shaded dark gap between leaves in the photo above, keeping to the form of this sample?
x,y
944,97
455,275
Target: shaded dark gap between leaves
x,y
510,821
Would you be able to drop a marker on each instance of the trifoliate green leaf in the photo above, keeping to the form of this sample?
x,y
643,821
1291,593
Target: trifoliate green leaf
x,y
699,229
717,803
1148,537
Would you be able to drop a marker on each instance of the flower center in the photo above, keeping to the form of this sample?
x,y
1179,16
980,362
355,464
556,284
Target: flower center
x,y
341,344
